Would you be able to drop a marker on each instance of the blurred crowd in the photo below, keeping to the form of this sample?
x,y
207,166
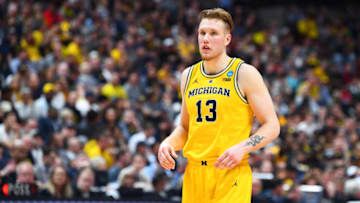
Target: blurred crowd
x,y
90,88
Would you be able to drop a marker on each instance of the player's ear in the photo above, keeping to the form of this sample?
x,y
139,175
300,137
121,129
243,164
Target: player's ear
x,y
227,39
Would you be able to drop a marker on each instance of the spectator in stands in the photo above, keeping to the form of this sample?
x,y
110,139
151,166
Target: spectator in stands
x,y
25,107
147,136
43,104
159,183
100,147
123,160
99,165
114,89
84,184
58,184
30,127
9,129
127,189
73,148
133,88
129,123
257,191
141,180
25,173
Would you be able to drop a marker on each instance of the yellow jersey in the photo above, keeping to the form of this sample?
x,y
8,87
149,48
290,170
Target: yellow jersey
x,y
92,149
219,115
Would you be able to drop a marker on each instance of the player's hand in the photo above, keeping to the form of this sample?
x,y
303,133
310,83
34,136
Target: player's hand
x,y
230,158
166,156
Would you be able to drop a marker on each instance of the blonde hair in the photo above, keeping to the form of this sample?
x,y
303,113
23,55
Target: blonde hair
x,y
67,191
218,13
50,186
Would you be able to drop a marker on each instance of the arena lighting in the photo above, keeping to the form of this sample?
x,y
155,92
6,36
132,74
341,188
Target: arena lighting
x,y
311,188
263,176
18,190
5,189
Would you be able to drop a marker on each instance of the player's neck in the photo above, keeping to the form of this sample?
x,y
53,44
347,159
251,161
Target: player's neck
x,y
217,64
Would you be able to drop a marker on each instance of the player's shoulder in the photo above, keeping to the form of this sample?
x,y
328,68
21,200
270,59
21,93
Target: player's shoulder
x,y
187,69
248,68
196,63
185,72
248,71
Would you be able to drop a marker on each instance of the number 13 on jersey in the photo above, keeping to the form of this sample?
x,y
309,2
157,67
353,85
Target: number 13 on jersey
x,y
209,117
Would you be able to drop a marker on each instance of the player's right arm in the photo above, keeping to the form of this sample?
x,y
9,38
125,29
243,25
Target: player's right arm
x,y
177,139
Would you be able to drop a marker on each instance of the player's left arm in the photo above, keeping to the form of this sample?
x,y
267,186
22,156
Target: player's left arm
x,y
259,99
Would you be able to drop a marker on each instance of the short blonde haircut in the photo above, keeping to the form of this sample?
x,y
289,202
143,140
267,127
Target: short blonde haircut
x,y
220,14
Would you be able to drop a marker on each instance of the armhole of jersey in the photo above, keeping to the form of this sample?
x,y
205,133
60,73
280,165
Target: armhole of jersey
x,y
237,84
188,78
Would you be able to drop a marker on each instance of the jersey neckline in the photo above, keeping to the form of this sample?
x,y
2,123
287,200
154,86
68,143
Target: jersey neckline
x,y
202,70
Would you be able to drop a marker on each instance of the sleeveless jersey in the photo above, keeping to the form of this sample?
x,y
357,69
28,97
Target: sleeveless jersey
x,y
219,116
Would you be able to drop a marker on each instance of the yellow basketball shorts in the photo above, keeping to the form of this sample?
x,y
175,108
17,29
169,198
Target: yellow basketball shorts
x,y
203,183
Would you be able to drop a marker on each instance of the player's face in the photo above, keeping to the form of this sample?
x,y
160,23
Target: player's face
x,y
213,37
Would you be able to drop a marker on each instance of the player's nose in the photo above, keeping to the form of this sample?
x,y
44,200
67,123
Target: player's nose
x,y
206,38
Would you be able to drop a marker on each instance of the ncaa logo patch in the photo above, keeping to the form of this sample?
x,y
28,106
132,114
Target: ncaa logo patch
x,y
230,73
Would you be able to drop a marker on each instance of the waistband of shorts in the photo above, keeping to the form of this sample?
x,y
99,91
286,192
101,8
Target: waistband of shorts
x,y
211,162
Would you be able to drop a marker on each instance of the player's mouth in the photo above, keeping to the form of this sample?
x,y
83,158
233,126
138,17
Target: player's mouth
x,y
205,48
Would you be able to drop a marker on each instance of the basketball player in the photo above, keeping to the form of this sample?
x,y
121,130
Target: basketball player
x,y
221,95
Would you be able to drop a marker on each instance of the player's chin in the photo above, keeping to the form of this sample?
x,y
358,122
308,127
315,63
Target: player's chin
x,y
205,57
